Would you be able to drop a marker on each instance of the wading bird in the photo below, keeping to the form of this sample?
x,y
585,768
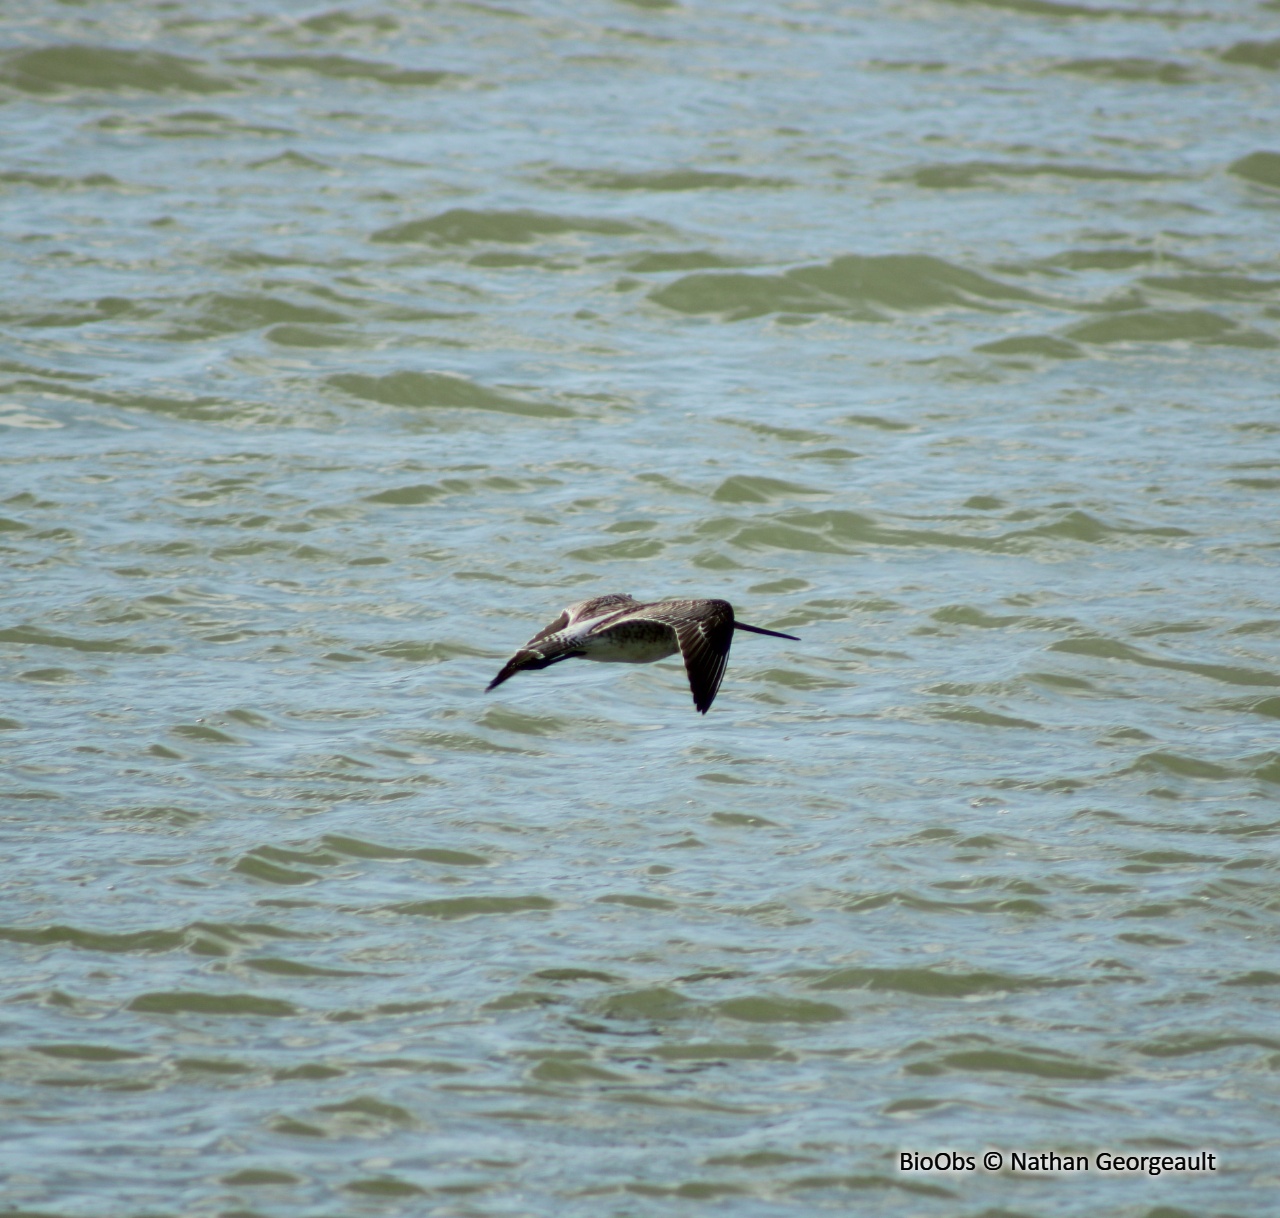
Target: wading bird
x,y
618,629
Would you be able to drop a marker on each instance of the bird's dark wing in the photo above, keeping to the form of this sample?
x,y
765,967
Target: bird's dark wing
x,y
704,630
705,644
547,647
541,652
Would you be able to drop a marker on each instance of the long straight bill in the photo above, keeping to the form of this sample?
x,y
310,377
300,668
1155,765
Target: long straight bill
x,y
776,634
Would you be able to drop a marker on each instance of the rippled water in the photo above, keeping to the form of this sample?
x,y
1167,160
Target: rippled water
x,y
343,347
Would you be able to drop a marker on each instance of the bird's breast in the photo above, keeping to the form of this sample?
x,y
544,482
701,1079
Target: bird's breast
x,y
631,643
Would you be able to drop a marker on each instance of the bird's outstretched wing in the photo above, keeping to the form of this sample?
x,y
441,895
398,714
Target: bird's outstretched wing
x,y
547,647
704,630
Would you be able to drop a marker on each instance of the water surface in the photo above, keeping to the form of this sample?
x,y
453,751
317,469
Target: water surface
x,y
343,347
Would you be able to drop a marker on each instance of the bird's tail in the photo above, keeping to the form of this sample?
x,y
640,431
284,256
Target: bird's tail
x,y
776,634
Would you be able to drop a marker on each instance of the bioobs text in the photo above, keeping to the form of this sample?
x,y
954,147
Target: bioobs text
x,y
942,1160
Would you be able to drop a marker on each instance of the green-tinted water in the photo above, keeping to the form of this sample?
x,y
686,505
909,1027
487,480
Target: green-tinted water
x,y
343,347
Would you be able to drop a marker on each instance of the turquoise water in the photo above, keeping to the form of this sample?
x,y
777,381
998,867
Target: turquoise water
x,y
343,347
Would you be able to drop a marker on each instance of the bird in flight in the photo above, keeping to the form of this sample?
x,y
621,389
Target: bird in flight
x,y
618,629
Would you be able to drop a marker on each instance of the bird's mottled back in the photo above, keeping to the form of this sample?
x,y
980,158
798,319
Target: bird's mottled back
x,y
583,611
598,605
